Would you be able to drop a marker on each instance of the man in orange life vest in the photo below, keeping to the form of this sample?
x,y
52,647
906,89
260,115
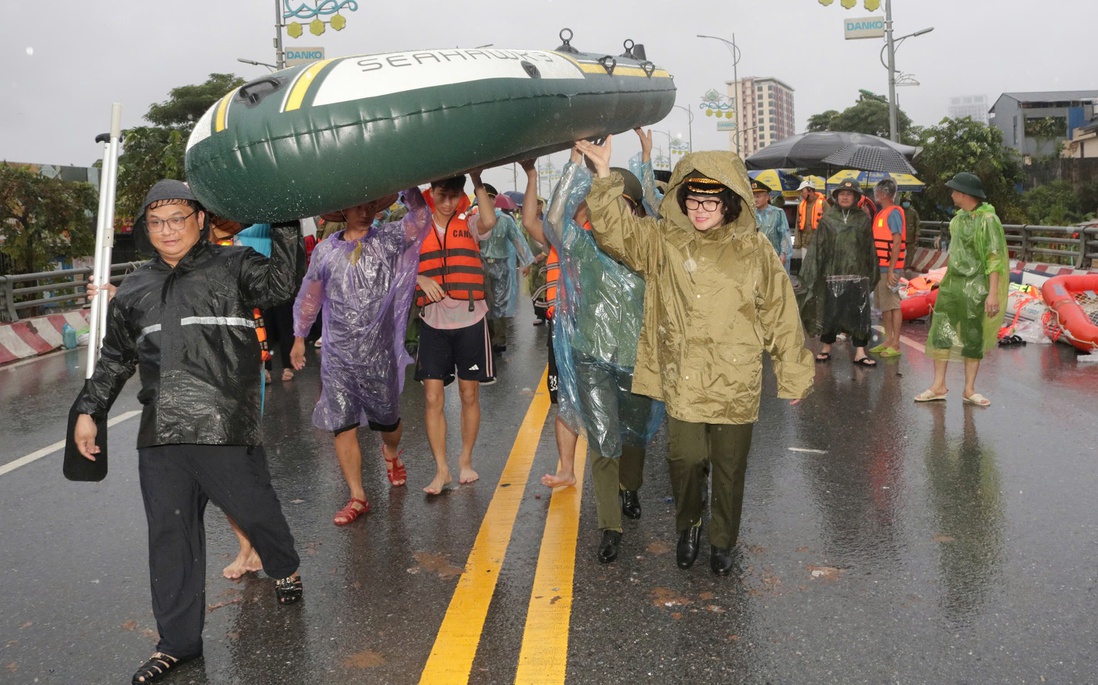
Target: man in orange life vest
x,y
809,212
889,238
450,290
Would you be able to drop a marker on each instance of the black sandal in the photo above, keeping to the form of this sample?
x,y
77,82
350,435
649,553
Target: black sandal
x,y
158,666
866,361
289,590
823,357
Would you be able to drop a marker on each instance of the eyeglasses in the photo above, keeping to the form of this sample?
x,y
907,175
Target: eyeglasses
x,y
707,205
176,223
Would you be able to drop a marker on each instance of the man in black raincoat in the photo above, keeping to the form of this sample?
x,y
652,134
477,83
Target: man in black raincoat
x,y
184,321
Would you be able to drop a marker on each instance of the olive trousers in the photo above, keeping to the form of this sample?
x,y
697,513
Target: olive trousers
x,y
724,448
612,475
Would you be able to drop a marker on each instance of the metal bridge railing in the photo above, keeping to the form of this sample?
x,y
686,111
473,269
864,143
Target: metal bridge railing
x,y
1071,245
63,289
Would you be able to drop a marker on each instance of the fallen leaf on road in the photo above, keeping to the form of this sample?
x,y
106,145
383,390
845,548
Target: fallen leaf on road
x,y
129,625
663,597
214,607
658,548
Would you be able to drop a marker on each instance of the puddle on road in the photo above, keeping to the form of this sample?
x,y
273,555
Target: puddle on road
x,y
367,658
435,563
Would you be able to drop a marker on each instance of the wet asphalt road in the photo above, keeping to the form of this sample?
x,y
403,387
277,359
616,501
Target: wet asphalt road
x,y
895,543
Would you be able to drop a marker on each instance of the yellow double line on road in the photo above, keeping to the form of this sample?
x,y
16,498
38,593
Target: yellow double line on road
x,y
543,657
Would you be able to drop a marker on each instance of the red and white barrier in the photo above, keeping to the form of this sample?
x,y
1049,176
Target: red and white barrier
x,y
32,337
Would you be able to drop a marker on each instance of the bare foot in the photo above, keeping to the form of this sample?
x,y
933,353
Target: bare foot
x,y
468,475
245,562
561,479
438,484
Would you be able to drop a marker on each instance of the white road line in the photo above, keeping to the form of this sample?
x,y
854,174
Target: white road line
x,y
807,450
50,449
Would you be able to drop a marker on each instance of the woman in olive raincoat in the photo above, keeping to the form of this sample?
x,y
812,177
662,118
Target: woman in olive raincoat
x,y
716,298
969,310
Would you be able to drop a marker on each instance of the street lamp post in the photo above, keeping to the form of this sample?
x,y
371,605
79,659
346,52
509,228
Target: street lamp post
x,y
731,45
280,54
891,45
689,125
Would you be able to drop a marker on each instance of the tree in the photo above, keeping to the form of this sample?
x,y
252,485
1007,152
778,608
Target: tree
x,y
956,145
1053,204
43,218
868,115
151,153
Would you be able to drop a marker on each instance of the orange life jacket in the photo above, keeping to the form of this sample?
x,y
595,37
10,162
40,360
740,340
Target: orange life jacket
x,y
552,274
817,213
454,261
260,326
882,237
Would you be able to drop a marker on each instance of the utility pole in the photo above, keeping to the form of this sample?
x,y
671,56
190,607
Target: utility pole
x,y
280,54
893,123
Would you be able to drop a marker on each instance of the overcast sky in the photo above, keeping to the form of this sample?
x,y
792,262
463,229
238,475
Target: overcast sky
x,y
66,61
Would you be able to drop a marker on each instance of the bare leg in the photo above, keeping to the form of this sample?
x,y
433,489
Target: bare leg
x,y
470,426
390,450
566,451
350,461
972,367
247,559
435,396
892,337
825,348
939,385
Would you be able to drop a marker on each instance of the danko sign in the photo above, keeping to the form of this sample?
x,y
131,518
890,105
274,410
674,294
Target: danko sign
x,y
866,27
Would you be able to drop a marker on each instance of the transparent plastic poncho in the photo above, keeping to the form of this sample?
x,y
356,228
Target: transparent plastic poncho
x,y
839,271
960,326
504,251
364,288
599,312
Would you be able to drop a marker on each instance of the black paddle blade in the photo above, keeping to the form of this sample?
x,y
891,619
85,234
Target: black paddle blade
x,y
76,466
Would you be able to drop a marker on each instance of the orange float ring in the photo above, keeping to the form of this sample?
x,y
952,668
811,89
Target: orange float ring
x,y
1059,293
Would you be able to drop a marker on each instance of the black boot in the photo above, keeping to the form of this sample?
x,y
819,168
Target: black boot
x,y
720,560
630,504
609,546
689,542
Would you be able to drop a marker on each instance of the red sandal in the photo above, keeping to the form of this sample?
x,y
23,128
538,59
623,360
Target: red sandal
x,y
349,513
394,469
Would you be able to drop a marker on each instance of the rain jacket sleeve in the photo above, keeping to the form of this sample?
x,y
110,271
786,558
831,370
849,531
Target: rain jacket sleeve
x,y
310,298
652,197
267,283
631,240
522,249
117,362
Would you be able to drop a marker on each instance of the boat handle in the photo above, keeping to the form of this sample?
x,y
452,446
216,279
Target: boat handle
x,y
649,68
255,98
608,63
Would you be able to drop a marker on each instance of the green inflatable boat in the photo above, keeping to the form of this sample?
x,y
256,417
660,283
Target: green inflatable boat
x,y
328,135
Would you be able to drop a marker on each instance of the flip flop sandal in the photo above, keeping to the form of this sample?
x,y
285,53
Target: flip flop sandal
x,y
823,357
395,470
865,361
929,396
978,400
349,513
157,667
877,349
889,353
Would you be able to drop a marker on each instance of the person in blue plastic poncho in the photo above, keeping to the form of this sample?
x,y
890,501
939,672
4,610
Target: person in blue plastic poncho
x,y
596,325
363,279
504,251
969,311
772,222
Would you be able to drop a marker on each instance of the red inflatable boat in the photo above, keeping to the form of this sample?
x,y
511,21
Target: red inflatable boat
x,y
1074,298
918,306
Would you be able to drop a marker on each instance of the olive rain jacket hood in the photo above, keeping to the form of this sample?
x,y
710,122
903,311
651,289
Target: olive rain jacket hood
x,y
715,300
190,332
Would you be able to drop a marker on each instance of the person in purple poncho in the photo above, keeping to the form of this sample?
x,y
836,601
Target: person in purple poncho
x,y
362,278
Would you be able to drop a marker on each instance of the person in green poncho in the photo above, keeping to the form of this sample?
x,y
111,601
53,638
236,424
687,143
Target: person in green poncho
x,y
839,272
969,311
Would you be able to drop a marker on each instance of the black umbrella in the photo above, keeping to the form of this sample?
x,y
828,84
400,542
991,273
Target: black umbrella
x,y
870,158
808,150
